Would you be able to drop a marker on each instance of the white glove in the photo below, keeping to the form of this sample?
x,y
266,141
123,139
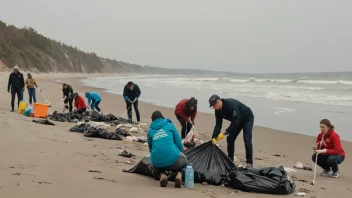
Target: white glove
x,y
321,151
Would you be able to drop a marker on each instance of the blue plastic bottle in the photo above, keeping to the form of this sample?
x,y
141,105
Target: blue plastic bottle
x,y
189,177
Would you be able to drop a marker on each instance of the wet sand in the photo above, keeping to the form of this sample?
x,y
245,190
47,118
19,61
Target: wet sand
x,y
49,161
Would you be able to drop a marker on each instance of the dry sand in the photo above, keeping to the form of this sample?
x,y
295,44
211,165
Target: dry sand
x,y
49,161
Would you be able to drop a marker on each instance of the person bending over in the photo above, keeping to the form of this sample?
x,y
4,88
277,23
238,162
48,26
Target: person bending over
x,y
131,93
185,109
94,100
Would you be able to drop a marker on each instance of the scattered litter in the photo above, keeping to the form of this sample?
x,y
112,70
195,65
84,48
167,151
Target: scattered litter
x,y
300,165
44,121
289,170
94,171
126,154
304,190
300,194
136,139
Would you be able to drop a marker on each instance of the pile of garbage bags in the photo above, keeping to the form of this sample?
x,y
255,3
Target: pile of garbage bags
x,y
95,116
211,165
90,131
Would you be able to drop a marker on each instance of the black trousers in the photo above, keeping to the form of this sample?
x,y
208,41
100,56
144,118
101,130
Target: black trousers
x,y
69,99
13,96
129,110
247,127
186,127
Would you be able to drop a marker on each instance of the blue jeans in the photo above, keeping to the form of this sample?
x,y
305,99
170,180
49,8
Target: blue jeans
x,y
247,127
95,104
329,161
31,93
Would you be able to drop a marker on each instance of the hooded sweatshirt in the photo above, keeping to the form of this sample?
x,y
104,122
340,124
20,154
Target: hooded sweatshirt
x,y
164,143
92,96
331,143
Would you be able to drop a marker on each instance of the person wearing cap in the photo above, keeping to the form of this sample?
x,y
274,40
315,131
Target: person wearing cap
x,y
31,85
166,148
67,92
16,86
185,112
131,93
241,117
79,103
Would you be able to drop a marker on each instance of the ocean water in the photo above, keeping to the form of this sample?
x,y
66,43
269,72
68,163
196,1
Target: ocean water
x,y
290,102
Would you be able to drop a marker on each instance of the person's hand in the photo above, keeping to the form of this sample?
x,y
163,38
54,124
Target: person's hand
x,y
321,151
213,141
314,147
193,124
220,136
132,102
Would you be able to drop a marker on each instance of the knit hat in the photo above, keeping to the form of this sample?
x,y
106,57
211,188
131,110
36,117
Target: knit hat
x,y
192,102
157,115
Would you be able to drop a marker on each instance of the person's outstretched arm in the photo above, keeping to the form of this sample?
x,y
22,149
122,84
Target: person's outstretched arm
x,y
125,95
218,125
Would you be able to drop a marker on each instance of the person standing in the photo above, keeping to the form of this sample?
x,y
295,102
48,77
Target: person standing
x,y
241,117
328,150
31,85
186,109
16,86
94,100
67,92
131,93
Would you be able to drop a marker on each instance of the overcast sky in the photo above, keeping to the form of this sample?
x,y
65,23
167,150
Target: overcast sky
x,y
240,36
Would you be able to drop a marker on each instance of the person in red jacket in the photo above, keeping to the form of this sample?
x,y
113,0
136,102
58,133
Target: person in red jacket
x,y
184,110
329,151
79,103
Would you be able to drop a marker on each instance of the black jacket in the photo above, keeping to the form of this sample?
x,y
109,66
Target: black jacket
x,y
131,95
68,92
16,81
233,111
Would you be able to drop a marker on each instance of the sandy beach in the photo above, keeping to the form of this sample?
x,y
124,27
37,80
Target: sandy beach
x,y
49,161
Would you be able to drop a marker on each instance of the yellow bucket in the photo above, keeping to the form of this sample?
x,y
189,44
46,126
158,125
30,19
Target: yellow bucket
x,y
22,107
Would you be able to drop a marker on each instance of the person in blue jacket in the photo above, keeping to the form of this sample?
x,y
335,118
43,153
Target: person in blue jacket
x,y
94,100
131,93
166,147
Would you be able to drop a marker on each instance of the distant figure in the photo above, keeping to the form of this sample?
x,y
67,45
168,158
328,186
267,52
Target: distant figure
x,y
241,117
94,100
31,85
79,103
67,92
131,93
16,85
165,148
184,110
329,149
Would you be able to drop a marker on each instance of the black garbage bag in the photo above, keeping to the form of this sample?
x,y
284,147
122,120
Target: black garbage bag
x,y
210,165
126,154
265,180
80,128
122,132
44,121
97,117
66,117
89,131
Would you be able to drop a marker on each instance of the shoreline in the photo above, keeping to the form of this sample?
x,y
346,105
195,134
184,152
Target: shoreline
x,y
54,155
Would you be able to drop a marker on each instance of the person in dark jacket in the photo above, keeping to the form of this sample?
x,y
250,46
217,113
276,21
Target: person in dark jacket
x,y
185,110
241,117
67,92
328,150
79,103
166,148
131,93
16,86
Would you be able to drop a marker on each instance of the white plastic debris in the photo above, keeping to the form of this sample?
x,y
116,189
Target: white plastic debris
x,y
300,194
289,170
298,165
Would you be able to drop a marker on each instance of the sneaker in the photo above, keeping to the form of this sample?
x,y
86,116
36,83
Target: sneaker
x,y
163,180
326,173
335,174
12,110
249,165
178,180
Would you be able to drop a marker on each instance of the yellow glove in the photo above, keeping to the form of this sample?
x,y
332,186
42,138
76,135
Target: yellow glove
x,y
220,137
213,141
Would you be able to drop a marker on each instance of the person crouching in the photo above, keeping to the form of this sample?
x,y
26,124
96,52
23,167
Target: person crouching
x,y
166,147
79,103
